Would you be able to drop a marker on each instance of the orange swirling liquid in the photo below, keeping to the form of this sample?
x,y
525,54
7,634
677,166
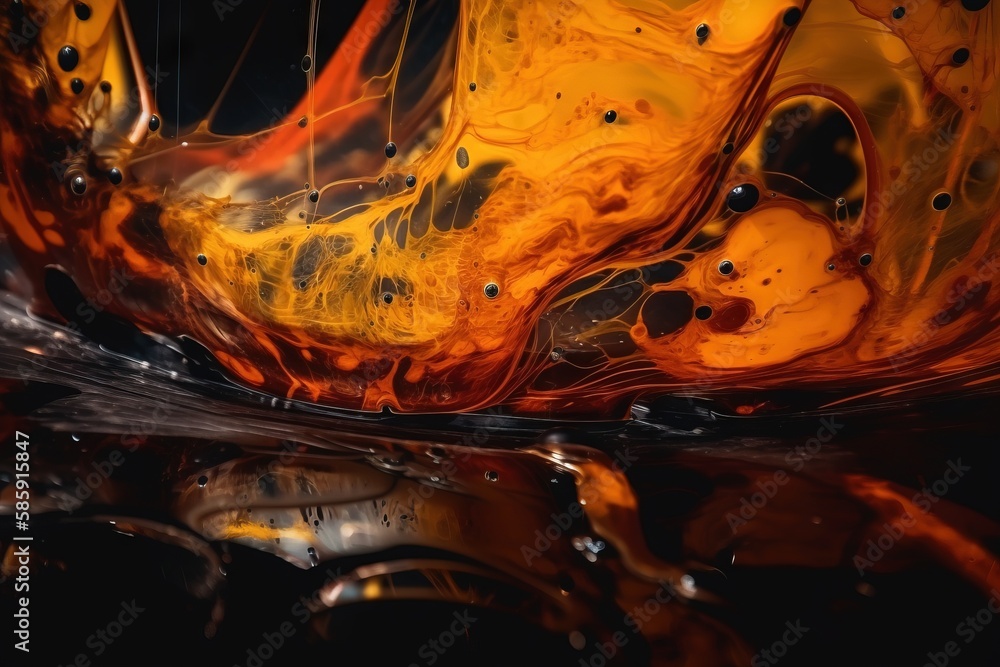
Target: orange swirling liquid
x,y
583,202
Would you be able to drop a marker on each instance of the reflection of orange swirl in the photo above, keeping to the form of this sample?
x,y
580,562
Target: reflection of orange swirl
x,y
598,138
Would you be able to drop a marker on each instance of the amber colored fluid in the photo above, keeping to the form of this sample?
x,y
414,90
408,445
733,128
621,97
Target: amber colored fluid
x,y
464,286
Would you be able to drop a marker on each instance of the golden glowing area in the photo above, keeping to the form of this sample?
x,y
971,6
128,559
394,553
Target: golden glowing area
x,y
571,204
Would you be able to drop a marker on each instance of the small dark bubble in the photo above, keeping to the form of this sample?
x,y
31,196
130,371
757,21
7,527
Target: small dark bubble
x,y
638,29
82,10
558,96
303,121
472,86
202,260
314,196
974,5
701,32
202,481
154,123
611,116
728,148
898,13
726,267
703,312
76,85
115,176
961,56
941,201
831,267
792,16
78,185
492,475
387,298
411,180
462,157
492,290
743,197
307,63
105,87
390,150
423,255
302,284
865,259
68,58
841,201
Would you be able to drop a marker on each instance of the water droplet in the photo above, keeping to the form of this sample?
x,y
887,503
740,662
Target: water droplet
x,y
202,260
611,116
898,13
492,290
411,180
82,11
701,32
154,123
115,176
726,267
387,298
314,196
68,58
865,259
76,85
390,150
